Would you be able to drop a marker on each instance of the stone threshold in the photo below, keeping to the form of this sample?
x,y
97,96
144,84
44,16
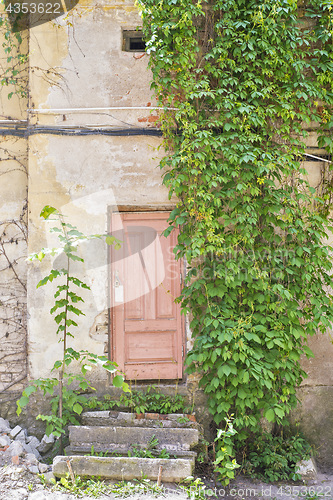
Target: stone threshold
x,y
124,468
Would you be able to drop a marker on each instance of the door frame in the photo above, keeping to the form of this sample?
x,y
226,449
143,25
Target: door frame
x,y
125,209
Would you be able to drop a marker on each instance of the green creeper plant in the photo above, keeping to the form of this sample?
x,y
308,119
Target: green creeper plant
x,y
242,83
275,458
150,451
67,403
225,465
195,489
149,401
14,74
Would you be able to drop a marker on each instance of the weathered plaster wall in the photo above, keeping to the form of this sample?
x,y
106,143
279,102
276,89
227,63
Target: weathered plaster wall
x,y
82,176
85,175
13,233
13,252
315,412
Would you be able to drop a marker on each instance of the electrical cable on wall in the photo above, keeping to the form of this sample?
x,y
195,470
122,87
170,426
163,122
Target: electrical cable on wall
x,y
21,129
27,131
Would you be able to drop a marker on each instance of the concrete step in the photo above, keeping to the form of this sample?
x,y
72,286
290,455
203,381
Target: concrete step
x,y
125,419
115,449
106,437
127,468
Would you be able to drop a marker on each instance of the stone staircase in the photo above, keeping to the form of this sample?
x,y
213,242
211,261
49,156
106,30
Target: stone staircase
x,y
118,436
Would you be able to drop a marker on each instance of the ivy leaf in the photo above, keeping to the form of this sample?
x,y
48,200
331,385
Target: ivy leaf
x,y
279,412
74,232
118,381
41,256
126,387
270,415
242,393
308,351
77,408
23,401
47,211
224,369
167,231
29,390
109,240
57,365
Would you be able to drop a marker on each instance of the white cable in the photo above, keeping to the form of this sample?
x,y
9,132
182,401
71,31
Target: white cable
x,y
13,121
84,110
317,158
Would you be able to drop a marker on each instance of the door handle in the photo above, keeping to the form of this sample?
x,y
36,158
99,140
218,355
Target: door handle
x,y
117,282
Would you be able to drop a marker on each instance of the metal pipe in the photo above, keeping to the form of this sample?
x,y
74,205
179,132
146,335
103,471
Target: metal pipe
x,y
317,157
13,121
84,110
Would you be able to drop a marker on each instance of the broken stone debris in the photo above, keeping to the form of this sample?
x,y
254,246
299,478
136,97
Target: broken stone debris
x,y
4,441
15,431
43,468
15,449
19,449
307,469
33,441
4,425
22,435
46,443
18,483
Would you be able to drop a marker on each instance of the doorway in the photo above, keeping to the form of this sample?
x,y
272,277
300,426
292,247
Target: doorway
x,y
146,324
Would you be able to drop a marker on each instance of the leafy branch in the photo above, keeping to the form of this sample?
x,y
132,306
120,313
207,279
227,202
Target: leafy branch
x,y
65,309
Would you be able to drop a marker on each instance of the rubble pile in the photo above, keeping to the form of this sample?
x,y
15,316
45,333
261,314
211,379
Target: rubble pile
x,y
18,448
20,463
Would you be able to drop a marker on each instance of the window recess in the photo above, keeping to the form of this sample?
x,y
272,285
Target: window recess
x,y
133,41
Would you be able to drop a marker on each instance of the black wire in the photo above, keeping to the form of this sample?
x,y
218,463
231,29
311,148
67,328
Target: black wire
x,y
27,131
23,131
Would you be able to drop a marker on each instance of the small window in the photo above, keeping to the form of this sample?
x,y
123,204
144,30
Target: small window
x,y
133,41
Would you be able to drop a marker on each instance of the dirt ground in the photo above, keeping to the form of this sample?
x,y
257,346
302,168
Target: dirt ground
x,y
245,488
16,483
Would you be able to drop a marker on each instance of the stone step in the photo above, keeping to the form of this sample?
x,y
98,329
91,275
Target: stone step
x,y
104,437
126,468
115,449
125,419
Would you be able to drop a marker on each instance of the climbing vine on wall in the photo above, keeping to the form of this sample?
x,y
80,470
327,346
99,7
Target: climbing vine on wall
x,y
244,79
13,73
13,253
13,217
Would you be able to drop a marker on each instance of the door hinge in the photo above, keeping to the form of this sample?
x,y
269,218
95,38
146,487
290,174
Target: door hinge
x,y
182,351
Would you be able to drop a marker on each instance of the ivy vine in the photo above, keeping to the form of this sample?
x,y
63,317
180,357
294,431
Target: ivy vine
x,y
242,81
14,75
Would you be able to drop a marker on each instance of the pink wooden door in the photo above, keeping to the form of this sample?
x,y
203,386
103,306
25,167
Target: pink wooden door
x,y
147,333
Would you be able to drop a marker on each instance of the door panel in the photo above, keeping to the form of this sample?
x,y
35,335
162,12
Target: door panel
x,y
152,346
147,334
